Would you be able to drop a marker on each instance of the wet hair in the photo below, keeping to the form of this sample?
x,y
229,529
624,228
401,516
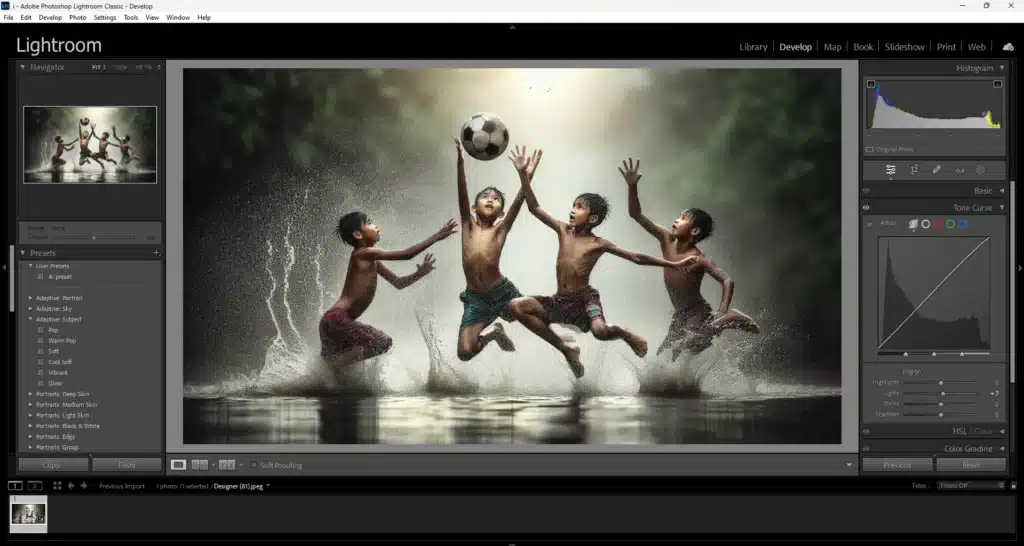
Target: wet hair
x,y
106,134
702,221
126,138
58,138
349,224
597,204
495,191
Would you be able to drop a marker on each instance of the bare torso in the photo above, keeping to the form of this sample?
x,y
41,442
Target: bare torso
x,y
360,286
577,256
683,285
103,145
83,142
481,255
60,150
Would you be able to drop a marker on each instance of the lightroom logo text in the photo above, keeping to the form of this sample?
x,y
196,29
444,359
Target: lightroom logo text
x,y
40,46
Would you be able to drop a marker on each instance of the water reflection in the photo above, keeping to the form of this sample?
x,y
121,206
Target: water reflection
x,y
422,420
109,176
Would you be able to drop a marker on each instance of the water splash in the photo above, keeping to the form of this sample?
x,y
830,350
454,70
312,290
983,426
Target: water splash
x,y
736,367
289,265
282,358
442,377
277,344
321,288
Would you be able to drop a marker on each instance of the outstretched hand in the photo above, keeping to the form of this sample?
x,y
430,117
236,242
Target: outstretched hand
x,y
459,149
447,229
520,159
427,266
631,171
534,161
524,162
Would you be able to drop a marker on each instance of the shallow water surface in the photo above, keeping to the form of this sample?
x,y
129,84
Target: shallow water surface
x,y
109,176
512,420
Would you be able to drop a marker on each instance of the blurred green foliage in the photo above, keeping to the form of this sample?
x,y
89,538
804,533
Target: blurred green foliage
x,y
295,119
768,143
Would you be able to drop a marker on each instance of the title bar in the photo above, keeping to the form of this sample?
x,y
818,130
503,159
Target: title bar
x,y
525,11
498,17
878,7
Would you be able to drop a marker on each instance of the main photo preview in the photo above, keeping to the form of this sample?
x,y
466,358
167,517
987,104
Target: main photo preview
x,y
645,254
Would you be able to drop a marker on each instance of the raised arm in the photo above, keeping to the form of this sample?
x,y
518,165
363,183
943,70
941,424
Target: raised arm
x,y
631,173
530,166
92,131
114,132
464,215
728,286
527,186
408,280
645,259
374,253
513,210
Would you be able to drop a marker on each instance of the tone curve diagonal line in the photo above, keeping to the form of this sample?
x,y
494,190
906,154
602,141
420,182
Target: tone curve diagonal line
x,y
934,290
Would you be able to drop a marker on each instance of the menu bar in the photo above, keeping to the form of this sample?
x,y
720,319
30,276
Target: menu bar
x,y
140,13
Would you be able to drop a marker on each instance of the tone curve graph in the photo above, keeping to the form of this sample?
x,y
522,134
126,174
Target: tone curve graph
x,y
934,294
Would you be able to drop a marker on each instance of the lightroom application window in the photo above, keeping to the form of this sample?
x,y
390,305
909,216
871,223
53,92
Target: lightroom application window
x,y
775,267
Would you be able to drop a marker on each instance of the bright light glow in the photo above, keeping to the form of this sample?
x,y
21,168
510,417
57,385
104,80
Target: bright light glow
x,y
100,117
543,80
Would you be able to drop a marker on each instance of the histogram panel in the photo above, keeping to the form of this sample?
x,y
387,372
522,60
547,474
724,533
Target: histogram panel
x,y
923,104
934,294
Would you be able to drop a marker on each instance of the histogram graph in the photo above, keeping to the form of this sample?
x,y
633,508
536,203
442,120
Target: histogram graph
x,y
934,295
923,105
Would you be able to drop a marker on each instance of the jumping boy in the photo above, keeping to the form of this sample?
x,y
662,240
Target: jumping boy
x,y
84,153
127,152
101,154
693,319
485,225
576,303
343,339
56,161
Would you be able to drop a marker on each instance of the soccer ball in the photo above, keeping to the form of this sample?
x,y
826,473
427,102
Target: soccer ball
x,y
84,122
484,136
